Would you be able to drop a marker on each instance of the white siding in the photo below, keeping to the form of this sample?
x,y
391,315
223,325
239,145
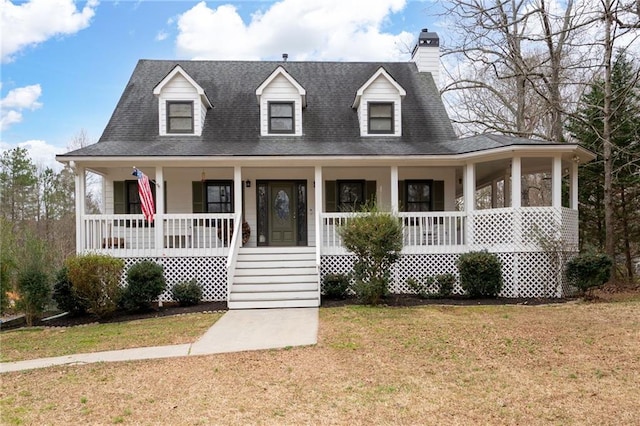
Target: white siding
x,y
179,89
427,59
280,90
380,90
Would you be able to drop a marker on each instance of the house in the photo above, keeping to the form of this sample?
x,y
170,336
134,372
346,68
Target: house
x,y
288,149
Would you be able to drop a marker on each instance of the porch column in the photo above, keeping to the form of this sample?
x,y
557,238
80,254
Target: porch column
x,y
469,192
469,187
574,184
159,218
80,194
516,183
556,182
237,189
395,203
317,190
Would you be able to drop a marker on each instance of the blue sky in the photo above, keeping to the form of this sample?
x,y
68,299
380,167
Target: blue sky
x,y
65,64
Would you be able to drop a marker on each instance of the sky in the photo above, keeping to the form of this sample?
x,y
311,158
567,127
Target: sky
x,y
64,64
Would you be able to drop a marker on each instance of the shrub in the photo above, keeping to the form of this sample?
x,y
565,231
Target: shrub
x,y
480,274
96,280
335,286
445,284
65,295
35,291
376,240
145,282
588,270
437,286
187,293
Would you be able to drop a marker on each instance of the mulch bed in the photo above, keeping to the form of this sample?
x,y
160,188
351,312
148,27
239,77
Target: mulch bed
x,y
393,300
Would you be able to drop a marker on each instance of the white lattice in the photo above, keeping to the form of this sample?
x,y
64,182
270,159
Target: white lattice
x,y
525,274
492,227
210,272
569,230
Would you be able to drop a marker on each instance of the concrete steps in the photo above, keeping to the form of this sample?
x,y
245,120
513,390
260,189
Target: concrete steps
x,y
275,277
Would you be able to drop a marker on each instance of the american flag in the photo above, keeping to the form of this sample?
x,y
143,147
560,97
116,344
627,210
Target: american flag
x,y
146,196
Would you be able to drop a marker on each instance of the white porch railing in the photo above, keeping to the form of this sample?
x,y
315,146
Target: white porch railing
x,y
232,256
126,235
495,230
435,232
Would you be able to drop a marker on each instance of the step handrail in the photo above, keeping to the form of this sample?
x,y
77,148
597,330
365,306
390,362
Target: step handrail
x,y
234,247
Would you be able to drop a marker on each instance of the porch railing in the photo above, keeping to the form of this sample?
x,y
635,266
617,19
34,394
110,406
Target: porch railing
x,y
525,229
437,231
127,235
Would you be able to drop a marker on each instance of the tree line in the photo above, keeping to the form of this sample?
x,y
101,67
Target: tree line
x,y
565,71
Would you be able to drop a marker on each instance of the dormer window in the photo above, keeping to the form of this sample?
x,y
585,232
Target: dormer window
x,y
281,100
182,104
179,117
381,117
378,104
281,117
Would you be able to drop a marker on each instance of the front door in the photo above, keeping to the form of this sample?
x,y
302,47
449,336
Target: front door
x,y
282,213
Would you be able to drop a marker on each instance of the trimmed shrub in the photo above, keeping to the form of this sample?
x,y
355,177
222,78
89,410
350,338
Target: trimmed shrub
x,y
35,291
445,284
437,286
187,293
145,282
96,280
588,270
65,295
480,274
376,240
335,286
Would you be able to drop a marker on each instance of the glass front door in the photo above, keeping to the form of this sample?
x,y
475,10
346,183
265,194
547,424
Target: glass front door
x,y
282,208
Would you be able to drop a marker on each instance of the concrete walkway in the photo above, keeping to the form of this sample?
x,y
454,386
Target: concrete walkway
x,y
235,331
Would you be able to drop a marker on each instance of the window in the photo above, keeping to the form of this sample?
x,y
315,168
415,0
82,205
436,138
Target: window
x,y
179,117
133,205
350,195
418,195
281,117
218,197
381,117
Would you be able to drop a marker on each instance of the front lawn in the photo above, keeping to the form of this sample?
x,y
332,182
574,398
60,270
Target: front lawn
x,y
42,342
574,363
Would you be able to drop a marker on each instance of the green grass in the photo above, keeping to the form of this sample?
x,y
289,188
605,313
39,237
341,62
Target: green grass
x,y
42,342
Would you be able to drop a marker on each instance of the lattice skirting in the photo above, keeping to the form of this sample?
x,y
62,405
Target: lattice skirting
x,y
210,272
525,274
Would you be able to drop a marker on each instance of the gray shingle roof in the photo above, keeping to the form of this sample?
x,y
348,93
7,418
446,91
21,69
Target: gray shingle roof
x,y
330,125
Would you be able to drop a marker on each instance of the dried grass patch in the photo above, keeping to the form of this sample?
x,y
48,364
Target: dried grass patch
x,y
563,364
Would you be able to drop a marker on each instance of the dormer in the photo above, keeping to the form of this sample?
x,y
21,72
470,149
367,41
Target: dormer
x,y
182,104
281,99
379,105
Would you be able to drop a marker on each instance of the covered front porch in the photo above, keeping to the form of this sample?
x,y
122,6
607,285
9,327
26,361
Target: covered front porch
x,y
447,206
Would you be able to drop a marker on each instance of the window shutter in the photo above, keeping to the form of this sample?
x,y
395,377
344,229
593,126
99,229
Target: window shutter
x,y
438,195
119,197
330,196
370,191
165,197
197,197
401,199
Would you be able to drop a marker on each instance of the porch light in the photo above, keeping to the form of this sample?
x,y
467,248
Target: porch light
x,y
203,176
247,183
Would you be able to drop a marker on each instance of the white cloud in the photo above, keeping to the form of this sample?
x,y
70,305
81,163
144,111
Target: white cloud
x,y
162,35
41,153
17,100
36,21
305,29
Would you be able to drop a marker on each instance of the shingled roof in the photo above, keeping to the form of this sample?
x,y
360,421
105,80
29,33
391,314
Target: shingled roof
x,y
330,124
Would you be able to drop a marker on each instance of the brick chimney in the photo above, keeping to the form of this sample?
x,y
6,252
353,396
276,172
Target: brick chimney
x,y
426,54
